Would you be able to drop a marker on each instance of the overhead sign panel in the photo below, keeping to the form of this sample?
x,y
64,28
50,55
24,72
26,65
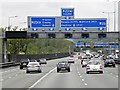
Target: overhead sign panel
x,y
39,22
67,11
83,23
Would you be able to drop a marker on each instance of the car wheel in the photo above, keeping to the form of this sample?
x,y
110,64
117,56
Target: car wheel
x,y
58,70
21,67
101,72
27,71
68,69
82,66
87,72
113,65
39,71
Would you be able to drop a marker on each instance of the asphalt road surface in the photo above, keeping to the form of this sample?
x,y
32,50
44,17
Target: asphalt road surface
x,y
13,77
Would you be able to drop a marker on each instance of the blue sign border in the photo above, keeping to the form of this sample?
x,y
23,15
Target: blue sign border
x,y
68,14
43,22
79,24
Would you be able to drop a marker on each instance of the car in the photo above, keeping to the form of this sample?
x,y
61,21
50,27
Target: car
x,y
94,66
71,60
43,61
88,56
33,66
63,65
96,56
83,59
79,57
109,62
85,62
24,63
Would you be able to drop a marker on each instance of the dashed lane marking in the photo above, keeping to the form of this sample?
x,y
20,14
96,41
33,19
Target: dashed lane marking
x,y
9,70
83,80
1,80
10,77
86,84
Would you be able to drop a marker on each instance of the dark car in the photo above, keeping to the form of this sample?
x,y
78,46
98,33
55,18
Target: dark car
x,y
109,62
84,62
24,63
63,65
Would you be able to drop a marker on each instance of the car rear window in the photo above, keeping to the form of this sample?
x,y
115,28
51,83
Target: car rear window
x,y
94,63
33,64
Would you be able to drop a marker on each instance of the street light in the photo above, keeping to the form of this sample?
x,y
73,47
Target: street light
x,y
22,28
9,21
108,18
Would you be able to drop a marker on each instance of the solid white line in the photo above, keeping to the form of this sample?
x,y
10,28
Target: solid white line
x,y
41,78
80,76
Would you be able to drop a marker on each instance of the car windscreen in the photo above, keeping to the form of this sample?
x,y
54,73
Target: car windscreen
x,y
62,63
94,63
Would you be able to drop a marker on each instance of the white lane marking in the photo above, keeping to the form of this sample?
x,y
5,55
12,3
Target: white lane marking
x,y
16,75
1,80
41,78
10,77
9,70
86,84
110,73
117,76
80,76
83,80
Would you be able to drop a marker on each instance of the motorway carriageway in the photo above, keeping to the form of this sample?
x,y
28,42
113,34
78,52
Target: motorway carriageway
x,y
13,77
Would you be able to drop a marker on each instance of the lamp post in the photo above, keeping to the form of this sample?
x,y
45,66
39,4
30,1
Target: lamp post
x,y
5,40
108,18
21,24
9,18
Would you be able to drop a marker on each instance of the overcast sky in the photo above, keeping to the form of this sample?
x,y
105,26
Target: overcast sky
x,y
83,9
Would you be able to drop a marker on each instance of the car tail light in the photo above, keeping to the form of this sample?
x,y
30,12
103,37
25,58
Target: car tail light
x,y
100,66
28,66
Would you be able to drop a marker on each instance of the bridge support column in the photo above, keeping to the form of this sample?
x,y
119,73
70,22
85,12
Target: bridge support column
x,y
5,50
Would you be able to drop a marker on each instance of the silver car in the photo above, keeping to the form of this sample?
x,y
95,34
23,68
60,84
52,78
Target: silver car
x,y
43,61
33,66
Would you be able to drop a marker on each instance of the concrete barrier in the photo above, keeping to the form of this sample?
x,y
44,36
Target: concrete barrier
x,y
19,57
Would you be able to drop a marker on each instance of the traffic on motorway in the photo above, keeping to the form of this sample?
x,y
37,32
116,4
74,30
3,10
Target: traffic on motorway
x,y
78,70
90,61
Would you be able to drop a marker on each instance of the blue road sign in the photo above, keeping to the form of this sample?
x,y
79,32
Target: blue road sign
x,y
39,22
83,23
67,11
